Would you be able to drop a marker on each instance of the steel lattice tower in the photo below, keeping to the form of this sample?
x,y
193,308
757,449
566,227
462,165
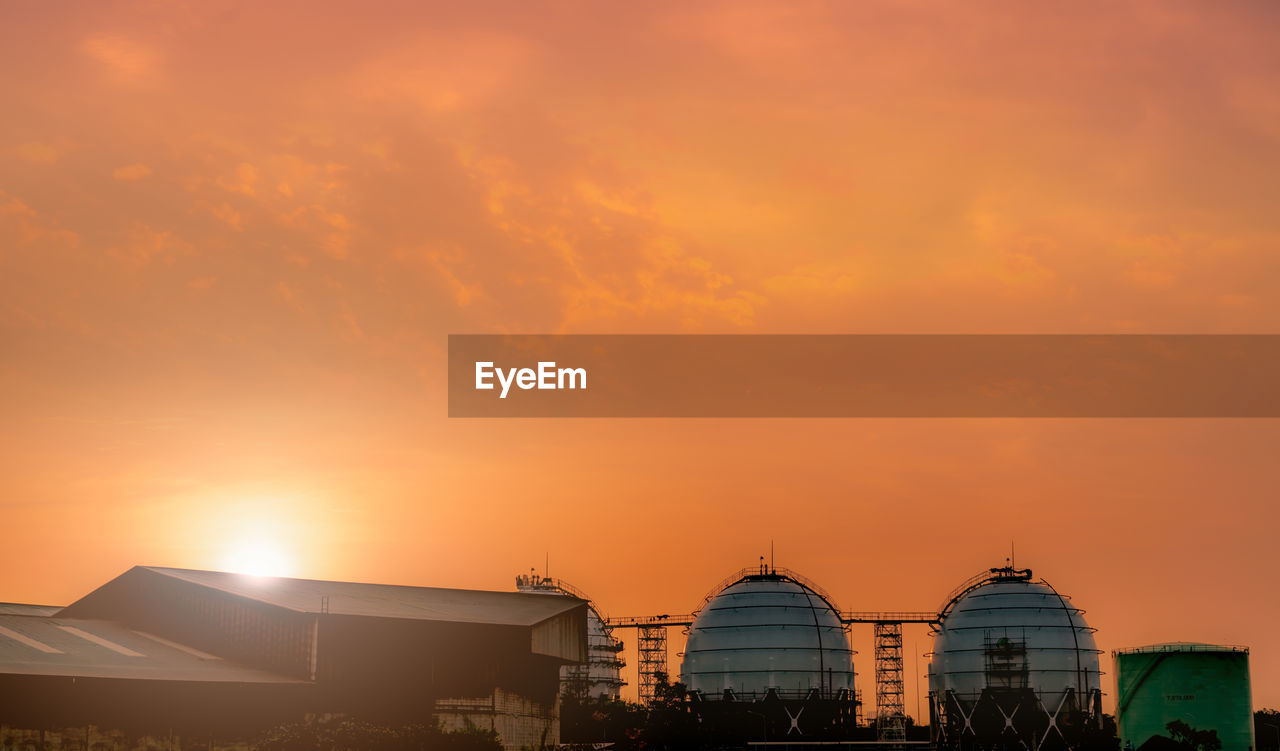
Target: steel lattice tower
x,y
651,643
890,712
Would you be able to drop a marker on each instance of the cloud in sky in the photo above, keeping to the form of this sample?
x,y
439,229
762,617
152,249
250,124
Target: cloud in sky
x,y
126,60
693,171
37,152
136,171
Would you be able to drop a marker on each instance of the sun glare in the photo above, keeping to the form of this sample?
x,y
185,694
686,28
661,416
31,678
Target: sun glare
x,y
258,557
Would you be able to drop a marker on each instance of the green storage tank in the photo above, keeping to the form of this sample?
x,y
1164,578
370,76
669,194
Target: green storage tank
x,y
1205,686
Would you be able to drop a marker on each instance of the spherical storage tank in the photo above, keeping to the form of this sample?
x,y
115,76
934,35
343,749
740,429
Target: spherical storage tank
x,y
1204,686
1013,661
767,629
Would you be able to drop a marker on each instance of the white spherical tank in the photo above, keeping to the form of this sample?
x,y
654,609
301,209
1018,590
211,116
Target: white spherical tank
x,y
1005,632
767,630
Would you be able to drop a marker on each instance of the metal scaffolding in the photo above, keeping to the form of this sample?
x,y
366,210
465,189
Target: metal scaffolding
x,y
1007,667
890,711
651,641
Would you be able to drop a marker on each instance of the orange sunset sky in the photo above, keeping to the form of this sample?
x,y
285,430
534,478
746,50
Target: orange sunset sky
x,y
234,237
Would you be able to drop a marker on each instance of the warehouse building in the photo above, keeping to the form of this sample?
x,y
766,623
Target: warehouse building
x,y
209,655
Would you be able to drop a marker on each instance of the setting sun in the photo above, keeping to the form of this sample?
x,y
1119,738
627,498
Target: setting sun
x,y
258,556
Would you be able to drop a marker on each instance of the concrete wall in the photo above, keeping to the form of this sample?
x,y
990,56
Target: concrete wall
x,y
520,722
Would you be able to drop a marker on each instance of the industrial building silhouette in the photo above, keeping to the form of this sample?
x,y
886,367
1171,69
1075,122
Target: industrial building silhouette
x,y
208,654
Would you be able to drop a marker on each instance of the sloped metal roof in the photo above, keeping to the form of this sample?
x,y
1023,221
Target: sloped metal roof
x,y
379,600
55,646
19,608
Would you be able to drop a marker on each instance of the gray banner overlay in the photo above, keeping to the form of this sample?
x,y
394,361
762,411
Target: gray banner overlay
x,y
864,375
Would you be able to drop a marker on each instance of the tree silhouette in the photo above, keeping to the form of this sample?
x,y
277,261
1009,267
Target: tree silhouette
x,y
1199,740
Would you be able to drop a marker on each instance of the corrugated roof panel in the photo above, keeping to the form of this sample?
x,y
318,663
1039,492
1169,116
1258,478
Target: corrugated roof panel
x,y
101,649
382,600
18,608
21,638
100,641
